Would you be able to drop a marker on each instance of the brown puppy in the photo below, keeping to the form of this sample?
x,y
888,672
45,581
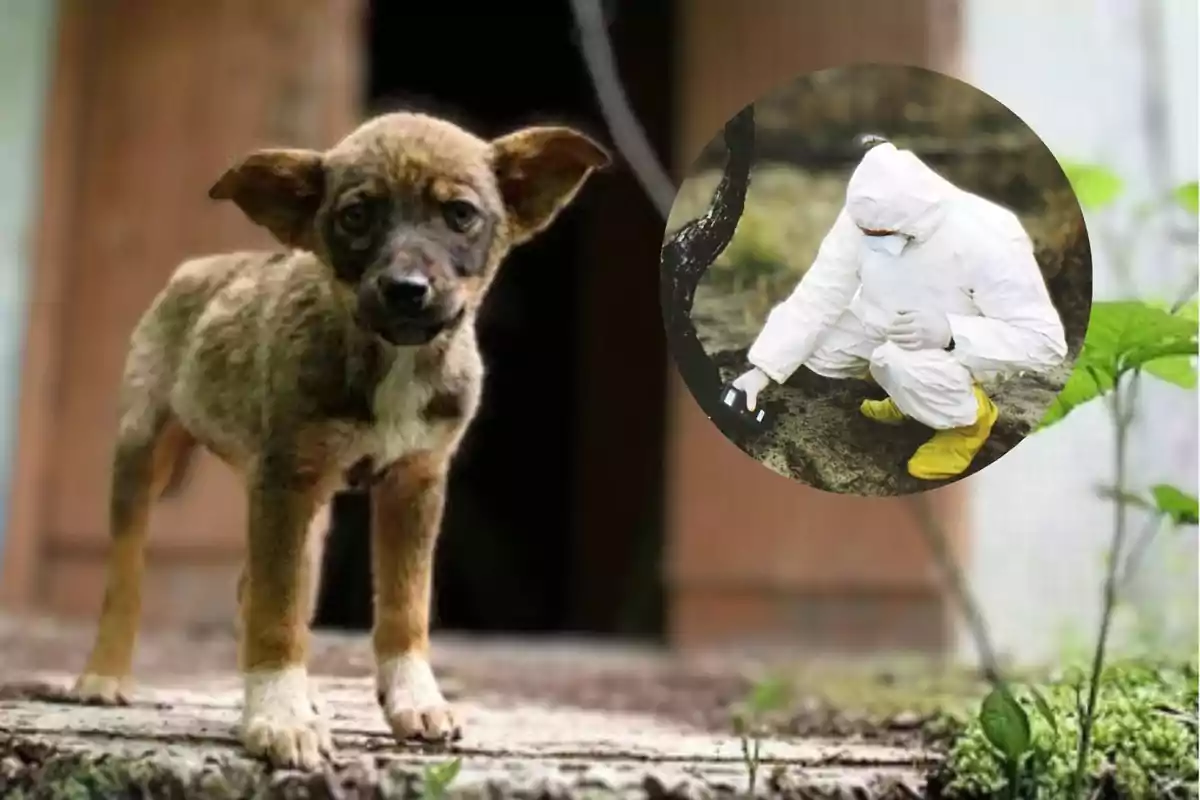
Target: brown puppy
x,y
351,357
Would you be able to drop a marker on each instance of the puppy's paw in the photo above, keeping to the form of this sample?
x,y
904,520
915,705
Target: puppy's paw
x,y
412,702
314,699
280,722
100,690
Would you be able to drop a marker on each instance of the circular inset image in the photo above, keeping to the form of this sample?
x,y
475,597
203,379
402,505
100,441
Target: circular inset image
x,y
876,279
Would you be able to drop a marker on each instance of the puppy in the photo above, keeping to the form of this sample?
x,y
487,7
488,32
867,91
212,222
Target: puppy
x,y
351,356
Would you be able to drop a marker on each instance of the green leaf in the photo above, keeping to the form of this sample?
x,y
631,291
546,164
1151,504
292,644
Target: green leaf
x,y
1005,724
1178,370
1121,336
1094,186
768,695
1176,504
1043,707
1188,196
438,777
1187,311
1148,333
1082,387
1142,355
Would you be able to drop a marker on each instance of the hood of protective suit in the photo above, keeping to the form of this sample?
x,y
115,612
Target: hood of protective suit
x,y
893,190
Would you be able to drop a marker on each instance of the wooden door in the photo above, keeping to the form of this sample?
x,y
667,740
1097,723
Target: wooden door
x,y
167,93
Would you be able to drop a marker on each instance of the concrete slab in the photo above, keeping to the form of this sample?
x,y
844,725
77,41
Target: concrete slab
x,y
545,720
178,738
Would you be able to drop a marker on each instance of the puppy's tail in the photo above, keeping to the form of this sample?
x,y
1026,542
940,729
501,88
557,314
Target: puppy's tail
x,y
181,469
150,447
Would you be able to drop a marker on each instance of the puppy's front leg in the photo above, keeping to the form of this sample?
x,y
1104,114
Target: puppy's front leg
x,y
406,512
278,718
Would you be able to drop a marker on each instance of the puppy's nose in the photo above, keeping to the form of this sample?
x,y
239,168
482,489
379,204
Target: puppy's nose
x,y
404,294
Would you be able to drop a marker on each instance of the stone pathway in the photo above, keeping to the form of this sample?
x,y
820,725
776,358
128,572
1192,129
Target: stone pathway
x,y
178,740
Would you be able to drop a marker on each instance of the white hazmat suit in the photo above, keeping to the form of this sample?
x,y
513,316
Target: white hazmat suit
x,y
924,288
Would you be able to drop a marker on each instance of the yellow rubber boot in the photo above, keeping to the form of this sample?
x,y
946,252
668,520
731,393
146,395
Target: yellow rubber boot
x,y
950,452
884,411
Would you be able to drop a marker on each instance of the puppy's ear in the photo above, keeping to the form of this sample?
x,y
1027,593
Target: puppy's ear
x,y
280,190
539,171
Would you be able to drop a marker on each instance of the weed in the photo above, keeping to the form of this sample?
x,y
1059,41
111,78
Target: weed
x,y
769,695
437,778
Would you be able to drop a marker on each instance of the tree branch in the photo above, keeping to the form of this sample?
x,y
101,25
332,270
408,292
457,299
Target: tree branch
x,y
691,250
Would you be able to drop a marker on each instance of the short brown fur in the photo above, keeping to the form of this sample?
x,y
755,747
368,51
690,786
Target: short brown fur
x,y
352,355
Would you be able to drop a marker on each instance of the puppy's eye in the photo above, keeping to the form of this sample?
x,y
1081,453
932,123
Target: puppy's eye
x,y
354,219
460,215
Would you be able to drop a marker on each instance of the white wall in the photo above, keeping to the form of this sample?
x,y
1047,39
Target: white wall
x,y
1072,69
26,41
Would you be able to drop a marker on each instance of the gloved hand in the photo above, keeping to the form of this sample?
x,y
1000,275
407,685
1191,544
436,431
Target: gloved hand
x,y
752,383
920,330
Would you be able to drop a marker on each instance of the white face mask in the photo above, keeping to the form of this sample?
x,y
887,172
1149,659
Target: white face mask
x,y
890,245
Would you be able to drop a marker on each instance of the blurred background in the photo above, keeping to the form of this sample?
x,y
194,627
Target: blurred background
x,y
631,516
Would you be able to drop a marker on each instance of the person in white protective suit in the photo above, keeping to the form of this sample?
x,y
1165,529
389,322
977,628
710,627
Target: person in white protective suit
x,y
926,289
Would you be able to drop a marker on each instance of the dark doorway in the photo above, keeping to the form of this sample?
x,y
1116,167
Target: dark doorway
x,y
523,548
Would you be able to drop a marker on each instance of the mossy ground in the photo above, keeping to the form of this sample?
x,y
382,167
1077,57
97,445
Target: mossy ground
x,y
1144,739
1145,732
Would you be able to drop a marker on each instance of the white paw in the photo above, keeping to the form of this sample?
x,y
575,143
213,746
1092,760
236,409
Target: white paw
x,y
279,721
412,702
314,699
104,690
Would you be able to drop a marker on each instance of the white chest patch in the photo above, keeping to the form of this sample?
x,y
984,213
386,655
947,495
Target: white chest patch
x,y
400,428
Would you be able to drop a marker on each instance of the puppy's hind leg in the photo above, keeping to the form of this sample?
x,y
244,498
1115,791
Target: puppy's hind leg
x,y
149,446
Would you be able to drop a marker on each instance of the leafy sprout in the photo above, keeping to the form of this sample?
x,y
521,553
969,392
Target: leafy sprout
x,y
437,778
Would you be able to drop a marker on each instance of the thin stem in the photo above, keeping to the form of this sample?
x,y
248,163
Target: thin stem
x,y
1188,293
1121,406
627,132
956,582
754,770
748,760
1138,549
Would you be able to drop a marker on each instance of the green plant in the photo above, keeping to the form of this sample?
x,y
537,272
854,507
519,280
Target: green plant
x,y
1126,339
1024,746
437,778
1004,754
768,695
1005,725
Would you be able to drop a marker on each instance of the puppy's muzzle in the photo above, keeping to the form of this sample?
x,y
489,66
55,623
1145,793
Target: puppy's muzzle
x,y
406,309
404,297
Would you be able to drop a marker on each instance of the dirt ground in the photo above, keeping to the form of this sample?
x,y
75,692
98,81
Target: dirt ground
x,y
571,718
822,439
